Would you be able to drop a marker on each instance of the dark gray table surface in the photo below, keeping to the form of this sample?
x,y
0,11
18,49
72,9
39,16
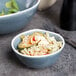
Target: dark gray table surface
x,y
66,64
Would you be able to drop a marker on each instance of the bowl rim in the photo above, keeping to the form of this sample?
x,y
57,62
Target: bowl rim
x,y
20,12
34,30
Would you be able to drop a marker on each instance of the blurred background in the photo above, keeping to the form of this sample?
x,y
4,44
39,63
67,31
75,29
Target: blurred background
x,y
52,12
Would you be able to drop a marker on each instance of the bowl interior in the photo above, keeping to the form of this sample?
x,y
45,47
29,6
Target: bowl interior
x,y
23,4
17,39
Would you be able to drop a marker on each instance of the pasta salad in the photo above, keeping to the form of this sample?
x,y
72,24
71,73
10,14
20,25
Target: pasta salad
x,y
38,44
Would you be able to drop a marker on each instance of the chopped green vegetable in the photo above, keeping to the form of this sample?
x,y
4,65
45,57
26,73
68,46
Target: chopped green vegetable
x,y
14,4
12,11
2,13
12,7
8,4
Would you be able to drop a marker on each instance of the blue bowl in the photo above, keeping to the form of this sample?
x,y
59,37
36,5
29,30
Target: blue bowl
x,y
37,61
13,22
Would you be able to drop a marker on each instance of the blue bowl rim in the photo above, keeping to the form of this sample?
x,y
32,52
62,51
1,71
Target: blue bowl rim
x,y
20,12
34,30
